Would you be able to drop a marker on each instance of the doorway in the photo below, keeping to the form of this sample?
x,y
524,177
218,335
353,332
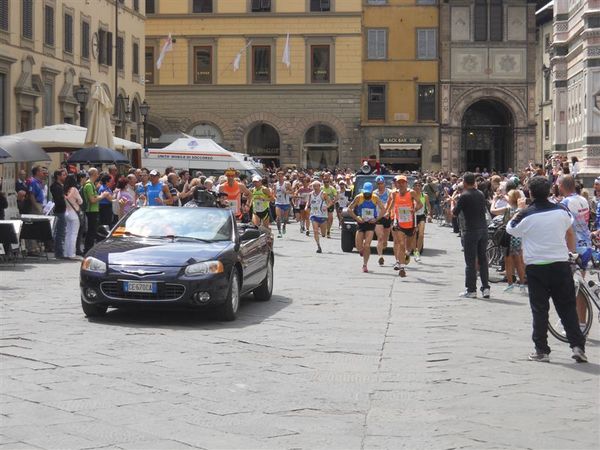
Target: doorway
x,y
487,137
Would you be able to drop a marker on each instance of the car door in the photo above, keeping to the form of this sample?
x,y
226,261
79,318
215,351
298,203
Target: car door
x,y
251,256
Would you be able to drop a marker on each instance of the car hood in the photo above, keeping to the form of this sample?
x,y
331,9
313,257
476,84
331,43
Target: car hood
x,y
156,252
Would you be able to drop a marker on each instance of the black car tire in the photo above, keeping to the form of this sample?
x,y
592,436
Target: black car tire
x,y
347,241
228,310
264,292
93,310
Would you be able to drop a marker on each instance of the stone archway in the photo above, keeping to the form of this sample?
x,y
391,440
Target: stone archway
x,y
452,132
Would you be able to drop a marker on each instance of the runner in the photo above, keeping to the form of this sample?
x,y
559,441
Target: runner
x,y
364,210
384,224
283,193
420,216
402,205
303,193
234,190
261,197
332,194
318,205
343,200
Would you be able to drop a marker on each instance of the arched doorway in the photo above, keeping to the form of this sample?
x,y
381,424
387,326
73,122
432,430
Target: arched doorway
x,y
263,144
321,145
207,130
487,136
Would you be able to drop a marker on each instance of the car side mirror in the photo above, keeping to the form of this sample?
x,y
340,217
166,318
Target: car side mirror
x,y
103,232
250,234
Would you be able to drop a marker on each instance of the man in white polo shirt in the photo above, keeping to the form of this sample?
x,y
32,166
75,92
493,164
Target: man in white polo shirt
x,y
548,236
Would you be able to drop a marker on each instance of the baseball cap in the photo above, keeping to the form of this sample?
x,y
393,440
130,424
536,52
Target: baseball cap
x,y
154,173
400,178
597,181
379,179
256,178
367,188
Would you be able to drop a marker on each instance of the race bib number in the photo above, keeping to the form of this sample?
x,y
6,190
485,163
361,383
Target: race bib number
x,y
367,214
260,205
404,215
233,205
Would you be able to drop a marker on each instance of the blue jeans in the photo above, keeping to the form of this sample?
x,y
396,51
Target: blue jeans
x,y
60,230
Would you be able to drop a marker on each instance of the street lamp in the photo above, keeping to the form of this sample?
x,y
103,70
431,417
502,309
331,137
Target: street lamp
x,y
81,95
144,108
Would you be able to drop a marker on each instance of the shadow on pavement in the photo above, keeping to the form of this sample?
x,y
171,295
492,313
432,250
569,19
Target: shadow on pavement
x,y
251,312
433,252
506,302
590,367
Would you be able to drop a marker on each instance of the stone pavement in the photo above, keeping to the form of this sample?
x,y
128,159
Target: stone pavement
x,y
337,359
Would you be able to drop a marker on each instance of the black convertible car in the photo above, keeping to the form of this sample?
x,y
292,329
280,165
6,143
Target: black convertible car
x,y
177,258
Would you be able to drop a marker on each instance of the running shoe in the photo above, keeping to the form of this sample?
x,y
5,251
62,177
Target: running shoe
x,y
509,288
539,357
307,233
485,292
328,236
279,235
319,249
523,290
381,261
579,355
365,270
397,266
467,294
417,256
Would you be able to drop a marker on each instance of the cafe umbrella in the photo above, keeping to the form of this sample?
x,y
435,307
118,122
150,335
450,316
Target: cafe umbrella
x,y
21,150
97,155
4,153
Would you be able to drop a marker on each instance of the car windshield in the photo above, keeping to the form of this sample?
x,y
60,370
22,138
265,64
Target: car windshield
x,y
207,224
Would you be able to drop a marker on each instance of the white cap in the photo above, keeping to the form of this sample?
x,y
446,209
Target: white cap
x,y
154,173
256,178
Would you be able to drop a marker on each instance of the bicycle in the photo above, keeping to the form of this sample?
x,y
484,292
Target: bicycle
x,y
591,293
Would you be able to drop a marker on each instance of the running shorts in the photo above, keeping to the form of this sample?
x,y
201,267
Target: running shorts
x,y
407,231
421,218
283,207
385,222
319,220
364,227
262,215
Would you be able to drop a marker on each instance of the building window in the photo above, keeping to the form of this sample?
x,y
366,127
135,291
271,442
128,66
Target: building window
x,y
376,44
48,104
149,65
481,20
150,7
203,65
320,63
85,40
3,89
136,5
497,22
260,5
426,102
49,25
120,53
320,5
4,15
376,103
547,75
261,64
27,19
68,25
105,47
547,129
426,2
376,2
136,58
202,6
547,43
427,43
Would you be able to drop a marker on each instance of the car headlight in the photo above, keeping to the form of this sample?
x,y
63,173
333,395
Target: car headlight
x,y
91,264
204,268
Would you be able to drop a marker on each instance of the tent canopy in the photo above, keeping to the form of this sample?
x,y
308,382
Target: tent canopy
x,y
67,136
97,155
22,150
191,145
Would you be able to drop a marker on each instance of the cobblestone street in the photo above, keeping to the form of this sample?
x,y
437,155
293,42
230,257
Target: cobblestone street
x,y
337,359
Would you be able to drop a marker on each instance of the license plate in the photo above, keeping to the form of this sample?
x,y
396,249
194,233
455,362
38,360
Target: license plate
x,y
144,287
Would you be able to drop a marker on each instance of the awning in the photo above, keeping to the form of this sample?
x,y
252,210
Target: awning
x,y
414,146
401,161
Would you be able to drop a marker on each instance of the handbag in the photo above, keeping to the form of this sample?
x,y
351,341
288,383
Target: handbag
x,y
80,213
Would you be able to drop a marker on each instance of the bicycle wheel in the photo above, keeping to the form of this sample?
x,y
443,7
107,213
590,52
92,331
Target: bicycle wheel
x,y
493,253
555,326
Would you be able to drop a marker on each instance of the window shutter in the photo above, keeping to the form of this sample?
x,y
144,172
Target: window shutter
x,y
120,59
109,48
68,37
432,44
266,4
102,46
325,5
28,19
371,44
421,44
481,20
85,40
136,59
49,25
150,9
381,44
497,22
4,15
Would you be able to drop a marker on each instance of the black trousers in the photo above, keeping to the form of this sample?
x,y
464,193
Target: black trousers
x,y
553,280
92,229
475,246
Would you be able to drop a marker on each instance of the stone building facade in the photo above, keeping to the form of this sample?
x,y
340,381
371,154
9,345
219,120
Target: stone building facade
x,y
544,89
575,59
487,80
227,77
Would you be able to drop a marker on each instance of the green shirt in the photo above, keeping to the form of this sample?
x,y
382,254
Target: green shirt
x,y
89,191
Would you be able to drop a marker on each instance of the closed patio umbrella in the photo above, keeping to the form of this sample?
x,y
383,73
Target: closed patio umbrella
x,y
4,153
22,150
97,155
99,132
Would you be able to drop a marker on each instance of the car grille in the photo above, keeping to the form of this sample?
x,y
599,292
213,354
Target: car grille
x,y
165,291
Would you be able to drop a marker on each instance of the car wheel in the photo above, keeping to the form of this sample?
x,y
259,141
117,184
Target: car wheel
x,y
347,241
228,310
264,292
93,310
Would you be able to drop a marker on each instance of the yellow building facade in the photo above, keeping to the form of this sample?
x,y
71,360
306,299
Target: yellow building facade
x,y
399,112
279,79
